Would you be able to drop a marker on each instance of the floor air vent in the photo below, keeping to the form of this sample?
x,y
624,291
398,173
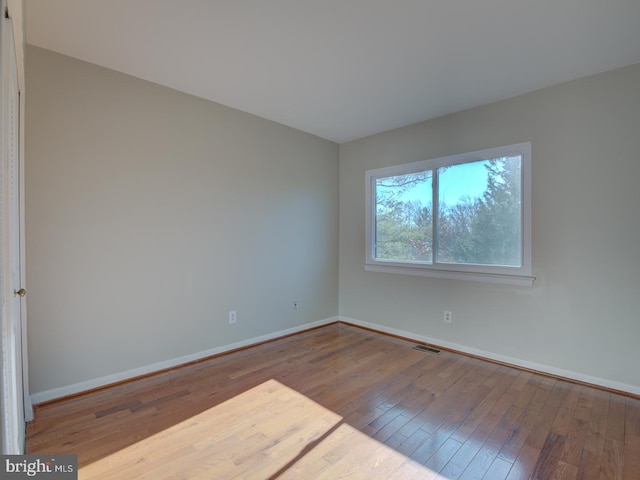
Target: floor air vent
x,y
424,348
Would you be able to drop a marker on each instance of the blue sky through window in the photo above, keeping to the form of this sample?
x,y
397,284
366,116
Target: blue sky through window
x,y
457,182
465,180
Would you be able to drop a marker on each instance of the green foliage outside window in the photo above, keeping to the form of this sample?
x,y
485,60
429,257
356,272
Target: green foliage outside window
x,y
483,229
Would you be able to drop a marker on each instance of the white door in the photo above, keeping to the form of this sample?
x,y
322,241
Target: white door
x,y
12,404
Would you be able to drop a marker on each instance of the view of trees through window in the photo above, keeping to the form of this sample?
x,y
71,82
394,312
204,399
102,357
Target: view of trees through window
x,y
477,214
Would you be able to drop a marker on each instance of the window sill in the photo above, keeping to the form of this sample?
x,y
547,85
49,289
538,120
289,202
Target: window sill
x,y
499,278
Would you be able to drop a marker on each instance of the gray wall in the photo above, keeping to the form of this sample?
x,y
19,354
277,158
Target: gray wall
x,y
151,214
583,314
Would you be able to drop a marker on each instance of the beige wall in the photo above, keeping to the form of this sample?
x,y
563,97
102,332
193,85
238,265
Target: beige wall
x,y
151,214
582,316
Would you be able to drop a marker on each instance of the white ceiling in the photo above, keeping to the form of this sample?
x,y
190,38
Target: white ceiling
x,y
344,69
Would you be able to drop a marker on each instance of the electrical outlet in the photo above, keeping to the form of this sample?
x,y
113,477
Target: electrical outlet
x,y
233,317
448,317
296,305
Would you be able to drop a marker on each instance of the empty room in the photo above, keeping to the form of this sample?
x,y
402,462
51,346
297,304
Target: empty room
x,y
359,239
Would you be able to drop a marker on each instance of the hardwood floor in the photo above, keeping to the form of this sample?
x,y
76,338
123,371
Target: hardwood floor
x,y
342,402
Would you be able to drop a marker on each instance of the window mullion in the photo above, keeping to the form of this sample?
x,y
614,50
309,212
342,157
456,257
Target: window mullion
x,y
434,215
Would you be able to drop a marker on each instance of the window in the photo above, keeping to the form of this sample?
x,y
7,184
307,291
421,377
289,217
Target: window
x,y
464,217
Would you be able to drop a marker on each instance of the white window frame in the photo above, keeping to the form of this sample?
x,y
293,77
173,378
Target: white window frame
x,y
521,276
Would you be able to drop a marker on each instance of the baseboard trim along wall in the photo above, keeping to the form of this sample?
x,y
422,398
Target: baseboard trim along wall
x,y
615,387
78,388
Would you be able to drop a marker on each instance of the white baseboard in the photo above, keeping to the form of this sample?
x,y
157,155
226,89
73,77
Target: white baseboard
x,y
60,392
516,362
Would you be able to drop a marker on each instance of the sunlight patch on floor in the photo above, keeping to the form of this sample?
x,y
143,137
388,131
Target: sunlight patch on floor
x,y
268,432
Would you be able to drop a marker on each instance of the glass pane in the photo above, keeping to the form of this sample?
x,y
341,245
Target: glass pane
x,y
403,228
479,218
